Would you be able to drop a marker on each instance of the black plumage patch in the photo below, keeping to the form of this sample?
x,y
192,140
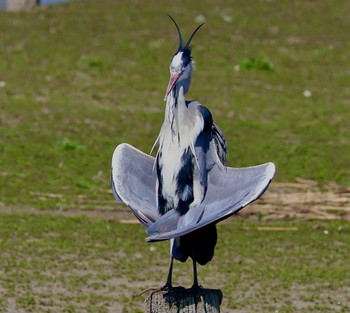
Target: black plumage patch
x,y
161,200
198,245
184,182
186,56
207,117
220,143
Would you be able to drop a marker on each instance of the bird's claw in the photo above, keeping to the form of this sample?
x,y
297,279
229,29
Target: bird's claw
x,y
197,287
166,287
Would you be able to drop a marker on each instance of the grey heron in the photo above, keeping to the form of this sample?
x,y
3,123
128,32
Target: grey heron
x,y
187,188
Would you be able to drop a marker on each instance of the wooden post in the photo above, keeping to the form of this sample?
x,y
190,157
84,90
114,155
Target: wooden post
x,y
181,300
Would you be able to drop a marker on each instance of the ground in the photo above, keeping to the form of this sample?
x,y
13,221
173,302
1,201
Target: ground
x,y
303,199
83,260
78,79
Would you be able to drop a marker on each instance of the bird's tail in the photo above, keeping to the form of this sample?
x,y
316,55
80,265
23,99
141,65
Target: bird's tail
x,y
165,223
174,220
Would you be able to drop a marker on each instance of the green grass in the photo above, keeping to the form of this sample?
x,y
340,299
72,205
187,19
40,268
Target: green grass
x,y
80,78
59,264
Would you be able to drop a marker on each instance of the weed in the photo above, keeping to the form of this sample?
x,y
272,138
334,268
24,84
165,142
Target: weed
x,y
256,64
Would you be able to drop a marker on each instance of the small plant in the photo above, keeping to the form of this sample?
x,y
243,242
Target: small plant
x,y
91,61
69,144
256,64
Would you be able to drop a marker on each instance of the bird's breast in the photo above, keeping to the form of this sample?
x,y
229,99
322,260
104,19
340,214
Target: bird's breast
x,y
170,164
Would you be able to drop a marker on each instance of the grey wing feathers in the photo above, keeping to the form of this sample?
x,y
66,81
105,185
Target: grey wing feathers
x,y
229,190
133,182
114,191
201,148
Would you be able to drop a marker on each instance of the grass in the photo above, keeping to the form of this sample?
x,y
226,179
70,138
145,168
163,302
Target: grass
x,y
60,264
80,78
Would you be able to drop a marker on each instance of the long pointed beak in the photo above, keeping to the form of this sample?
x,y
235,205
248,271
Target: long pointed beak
x,y
174,77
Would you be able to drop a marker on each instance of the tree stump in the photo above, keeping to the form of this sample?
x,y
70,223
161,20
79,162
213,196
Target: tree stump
x,y
181,300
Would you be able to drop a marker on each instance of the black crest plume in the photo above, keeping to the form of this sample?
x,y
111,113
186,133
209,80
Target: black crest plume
x,y
187,45
179,33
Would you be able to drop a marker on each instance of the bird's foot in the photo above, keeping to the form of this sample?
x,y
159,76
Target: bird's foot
x,y
197,288
166,287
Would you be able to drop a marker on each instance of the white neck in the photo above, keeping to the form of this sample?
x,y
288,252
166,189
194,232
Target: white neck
x,y
174,100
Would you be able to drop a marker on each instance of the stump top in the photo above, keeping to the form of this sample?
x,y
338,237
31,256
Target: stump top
x,y
180,300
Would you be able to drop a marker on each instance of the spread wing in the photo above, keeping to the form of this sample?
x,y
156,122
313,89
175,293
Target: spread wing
x,y
133,182
229,190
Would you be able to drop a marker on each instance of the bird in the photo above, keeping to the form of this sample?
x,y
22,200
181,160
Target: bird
x,y
186,189
187,141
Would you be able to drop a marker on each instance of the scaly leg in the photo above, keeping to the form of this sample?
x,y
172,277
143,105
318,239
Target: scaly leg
x,y
195,277
168,283
196,287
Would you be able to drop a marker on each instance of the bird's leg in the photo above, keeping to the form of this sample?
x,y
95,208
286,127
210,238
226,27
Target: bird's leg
x,y
168,283
196,287
195,277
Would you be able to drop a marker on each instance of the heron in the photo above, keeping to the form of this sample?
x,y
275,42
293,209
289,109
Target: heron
x,y
187,140
186,189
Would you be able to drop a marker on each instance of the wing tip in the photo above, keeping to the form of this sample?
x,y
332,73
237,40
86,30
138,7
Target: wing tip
x,y
270,170
150,239
152,235
158,237
118,151
115,169
114,191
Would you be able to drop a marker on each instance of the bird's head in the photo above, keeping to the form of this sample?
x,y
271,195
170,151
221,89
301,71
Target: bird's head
x,y
181,64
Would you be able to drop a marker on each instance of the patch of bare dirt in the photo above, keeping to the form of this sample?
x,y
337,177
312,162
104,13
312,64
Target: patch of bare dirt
x,y
303,199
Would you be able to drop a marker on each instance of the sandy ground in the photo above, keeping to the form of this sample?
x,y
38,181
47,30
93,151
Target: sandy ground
x,y
303,199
